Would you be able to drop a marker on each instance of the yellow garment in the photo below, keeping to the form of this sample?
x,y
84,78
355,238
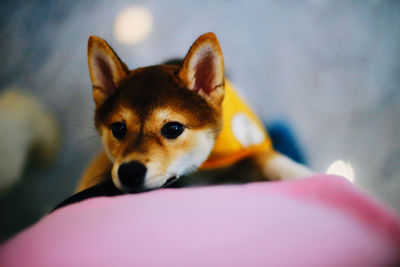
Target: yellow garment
x,y
242,134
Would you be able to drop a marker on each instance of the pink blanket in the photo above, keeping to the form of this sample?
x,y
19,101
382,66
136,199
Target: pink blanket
x,y
319,221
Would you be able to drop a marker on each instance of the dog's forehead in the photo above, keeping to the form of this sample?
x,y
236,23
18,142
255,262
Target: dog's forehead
x,y
157,91
124,114
153,92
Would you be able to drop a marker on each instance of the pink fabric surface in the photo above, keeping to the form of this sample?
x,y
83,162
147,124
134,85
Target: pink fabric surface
x,y
319,221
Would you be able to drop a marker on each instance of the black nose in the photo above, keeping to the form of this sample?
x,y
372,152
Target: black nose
x,y
132,174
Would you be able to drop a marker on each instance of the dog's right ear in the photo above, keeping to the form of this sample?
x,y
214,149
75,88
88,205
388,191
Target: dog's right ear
x,y
105,68
202,69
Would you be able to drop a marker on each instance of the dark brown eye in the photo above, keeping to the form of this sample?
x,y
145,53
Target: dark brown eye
x,y
172,130
118,130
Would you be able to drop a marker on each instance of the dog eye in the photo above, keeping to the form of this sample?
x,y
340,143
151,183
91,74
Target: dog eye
x,y
118,130
172,130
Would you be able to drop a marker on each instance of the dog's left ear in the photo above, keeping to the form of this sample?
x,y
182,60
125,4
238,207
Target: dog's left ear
x,y
203,69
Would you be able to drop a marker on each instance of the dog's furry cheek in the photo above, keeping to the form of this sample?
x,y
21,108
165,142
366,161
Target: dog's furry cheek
x,y
105,137
192,159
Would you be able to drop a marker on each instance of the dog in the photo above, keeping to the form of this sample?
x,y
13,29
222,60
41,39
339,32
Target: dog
x,y
162,122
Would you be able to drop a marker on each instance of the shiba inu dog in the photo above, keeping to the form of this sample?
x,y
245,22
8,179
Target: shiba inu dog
x,y
160,122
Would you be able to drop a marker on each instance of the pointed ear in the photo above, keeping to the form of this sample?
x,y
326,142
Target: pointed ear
x,y
105,68
203,69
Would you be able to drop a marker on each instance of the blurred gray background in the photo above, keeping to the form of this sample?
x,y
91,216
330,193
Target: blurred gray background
x,y
329,68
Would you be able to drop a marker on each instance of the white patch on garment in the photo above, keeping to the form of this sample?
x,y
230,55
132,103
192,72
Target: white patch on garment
x,y
245,131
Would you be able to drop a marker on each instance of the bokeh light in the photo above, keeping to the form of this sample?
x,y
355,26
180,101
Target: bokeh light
x,y
342,168
133,25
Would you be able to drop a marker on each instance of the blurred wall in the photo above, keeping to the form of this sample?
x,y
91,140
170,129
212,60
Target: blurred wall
x,y
330,68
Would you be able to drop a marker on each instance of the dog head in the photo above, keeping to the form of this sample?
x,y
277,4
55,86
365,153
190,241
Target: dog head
x,y
157,122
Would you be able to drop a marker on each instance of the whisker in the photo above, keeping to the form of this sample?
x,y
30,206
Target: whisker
x,y
98,176
170,181
84,126
89,138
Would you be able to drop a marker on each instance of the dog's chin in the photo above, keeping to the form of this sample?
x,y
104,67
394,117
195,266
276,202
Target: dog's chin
x,y
160,182
135,190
